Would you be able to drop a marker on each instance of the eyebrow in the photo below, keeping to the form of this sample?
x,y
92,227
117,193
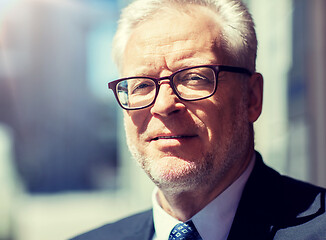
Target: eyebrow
x,y
188,62
144,71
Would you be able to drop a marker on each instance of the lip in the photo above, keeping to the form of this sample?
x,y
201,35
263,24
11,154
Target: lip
x,y
168,137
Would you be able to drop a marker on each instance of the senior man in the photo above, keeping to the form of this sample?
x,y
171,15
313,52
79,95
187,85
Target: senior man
x,y
190,96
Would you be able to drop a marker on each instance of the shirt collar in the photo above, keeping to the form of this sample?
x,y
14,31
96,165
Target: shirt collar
x,y
214,221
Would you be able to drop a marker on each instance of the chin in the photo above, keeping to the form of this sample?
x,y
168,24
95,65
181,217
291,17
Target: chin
x,y
175,176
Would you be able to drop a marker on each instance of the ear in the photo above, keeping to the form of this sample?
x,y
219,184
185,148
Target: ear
x,y
255,100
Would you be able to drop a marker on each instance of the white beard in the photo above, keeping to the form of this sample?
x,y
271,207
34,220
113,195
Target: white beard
x,y
210,169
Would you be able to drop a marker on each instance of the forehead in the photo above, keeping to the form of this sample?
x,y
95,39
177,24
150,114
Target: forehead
x,y
174,39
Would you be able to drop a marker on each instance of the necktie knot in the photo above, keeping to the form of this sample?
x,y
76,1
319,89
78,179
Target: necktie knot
x,y
184,231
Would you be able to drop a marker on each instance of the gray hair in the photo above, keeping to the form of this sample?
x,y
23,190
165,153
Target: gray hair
x,y
238,36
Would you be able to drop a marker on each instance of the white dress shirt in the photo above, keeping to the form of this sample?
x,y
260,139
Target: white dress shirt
x,y
214,221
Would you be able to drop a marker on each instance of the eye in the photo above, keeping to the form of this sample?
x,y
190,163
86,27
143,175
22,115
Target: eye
x,y
192,79
142,87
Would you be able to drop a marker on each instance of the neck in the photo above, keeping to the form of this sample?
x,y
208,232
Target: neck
x,y
183,205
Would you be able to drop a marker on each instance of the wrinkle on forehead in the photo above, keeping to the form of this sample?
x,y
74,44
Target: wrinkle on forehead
x,y
177,51
164,42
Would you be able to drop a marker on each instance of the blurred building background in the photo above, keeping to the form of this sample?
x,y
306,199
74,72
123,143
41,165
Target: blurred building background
x,y
64,165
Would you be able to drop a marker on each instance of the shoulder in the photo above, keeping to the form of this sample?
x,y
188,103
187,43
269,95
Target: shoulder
x,y
292,196
304,215
264,177
291,207
126,228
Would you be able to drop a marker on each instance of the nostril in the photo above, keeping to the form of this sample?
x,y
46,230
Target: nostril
x,y
175,111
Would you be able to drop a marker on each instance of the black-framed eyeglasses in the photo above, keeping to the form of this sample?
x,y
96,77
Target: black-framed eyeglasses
x,y
188,84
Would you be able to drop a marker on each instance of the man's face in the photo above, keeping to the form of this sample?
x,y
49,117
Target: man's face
x,y
186,144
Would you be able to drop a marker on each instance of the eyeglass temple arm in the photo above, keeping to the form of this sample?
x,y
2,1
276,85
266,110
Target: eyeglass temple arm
x,y
235,69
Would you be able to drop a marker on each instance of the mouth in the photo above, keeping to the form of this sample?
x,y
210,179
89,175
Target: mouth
x,y
173,137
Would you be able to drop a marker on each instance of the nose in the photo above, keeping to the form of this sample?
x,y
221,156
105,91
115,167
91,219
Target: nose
x,y
166,102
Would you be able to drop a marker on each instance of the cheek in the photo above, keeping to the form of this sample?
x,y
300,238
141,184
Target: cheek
x,y
135,125
210,117
130,128
218,117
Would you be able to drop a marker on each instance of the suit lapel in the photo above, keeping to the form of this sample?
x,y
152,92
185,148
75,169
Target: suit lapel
x,y
257,212
143,229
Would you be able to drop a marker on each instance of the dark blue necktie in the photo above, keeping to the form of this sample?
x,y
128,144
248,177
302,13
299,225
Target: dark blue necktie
x,y
184,231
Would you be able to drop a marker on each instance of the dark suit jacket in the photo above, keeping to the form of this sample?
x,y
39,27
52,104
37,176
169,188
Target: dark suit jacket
x,y
271,207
